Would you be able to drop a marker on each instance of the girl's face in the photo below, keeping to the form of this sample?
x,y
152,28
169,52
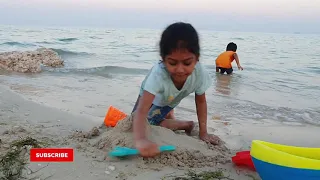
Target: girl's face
x,y
180,64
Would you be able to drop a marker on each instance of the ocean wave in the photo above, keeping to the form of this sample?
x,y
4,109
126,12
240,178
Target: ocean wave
x,y
45,42
238,38
67,39
265,70
95,37
315,70
104,71
14,43
67,53
282,114
306,71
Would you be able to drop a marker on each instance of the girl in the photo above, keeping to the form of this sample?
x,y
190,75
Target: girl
x,y
177,75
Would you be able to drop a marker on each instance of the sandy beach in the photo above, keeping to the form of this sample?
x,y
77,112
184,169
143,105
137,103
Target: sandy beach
x,y
57,95
21,118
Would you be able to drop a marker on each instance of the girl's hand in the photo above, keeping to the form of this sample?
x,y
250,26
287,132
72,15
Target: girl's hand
x,y
147,148
240,68
215,140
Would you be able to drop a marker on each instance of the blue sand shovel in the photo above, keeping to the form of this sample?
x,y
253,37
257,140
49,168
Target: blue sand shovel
x,y
125,151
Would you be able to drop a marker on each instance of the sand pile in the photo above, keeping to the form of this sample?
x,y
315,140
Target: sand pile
x,y
190,152
29,61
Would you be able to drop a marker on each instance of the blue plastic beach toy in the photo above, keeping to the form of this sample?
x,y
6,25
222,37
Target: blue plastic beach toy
x,y
125,151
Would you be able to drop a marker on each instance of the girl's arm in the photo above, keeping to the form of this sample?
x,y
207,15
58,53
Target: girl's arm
x,y
139,118
201,105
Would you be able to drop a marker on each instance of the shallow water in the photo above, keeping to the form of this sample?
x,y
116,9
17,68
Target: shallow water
x,y
106,66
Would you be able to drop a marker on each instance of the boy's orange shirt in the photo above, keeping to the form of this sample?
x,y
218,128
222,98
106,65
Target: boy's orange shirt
x,y
225,59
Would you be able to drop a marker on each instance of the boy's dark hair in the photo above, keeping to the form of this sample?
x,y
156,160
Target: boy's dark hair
x,y
179,35
231,47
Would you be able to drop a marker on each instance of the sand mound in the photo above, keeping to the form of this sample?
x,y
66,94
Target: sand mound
x,y
29,61
190,152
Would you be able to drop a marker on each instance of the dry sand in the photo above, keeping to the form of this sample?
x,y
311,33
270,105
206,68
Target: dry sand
x,y
21,118
190,152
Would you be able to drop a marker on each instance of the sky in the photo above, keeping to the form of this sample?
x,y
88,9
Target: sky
x,y
221,15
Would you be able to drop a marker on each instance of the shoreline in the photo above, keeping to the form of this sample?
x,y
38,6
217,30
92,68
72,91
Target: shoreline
x,y
20,116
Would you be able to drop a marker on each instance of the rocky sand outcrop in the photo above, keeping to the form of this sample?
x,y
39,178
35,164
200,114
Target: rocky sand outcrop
x,y
30,61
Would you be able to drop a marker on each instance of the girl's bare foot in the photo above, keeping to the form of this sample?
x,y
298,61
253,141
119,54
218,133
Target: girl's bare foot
x,y
174,125
189,127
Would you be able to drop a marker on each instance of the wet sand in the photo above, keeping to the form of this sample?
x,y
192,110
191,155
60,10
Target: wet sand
x,y
20,117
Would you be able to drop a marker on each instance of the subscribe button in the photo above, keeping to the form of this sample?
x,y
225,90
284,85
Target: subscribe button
x,y
51,155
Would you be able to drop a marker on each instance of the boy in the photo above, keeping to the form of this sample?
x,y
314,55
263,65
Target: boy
x,y
224,60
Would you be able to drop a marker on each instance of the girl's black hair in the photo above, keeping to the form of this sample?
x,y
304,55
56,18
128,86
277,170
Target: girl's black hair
x,y
179,35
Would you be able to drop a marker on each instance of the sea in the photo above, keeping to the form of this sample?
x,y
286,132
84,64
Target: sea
x,y
105,66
